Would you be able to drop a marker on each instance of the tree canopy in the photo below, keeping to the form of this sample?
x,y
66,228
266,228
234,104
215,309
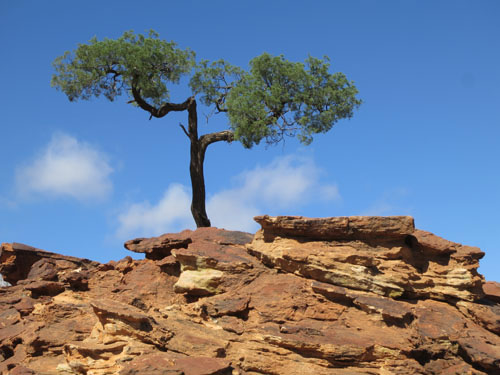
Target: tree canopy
x,y
273,99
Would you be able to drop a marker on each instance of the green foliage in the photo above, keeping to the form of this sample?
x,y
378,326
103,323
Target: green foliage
x,y
109,67
214,81
274,99
279,98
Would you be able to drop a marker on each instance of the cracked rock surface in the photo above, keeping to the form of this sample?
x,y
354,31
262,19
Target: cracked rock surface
x,y
349,295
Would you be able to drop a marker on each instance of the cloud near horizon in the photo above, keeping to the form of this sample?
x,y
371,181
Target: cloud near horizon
x,y
265,189
66,167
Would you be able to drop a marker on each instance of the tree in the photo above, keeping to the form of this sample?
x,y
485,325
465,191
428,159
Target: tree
x,y
275,98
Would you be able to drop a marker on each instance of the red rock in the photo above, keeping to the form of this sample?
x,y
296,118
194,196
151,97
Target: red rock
x,y
218,236
482,349
159,247
16,261
25,306
45,288
435,244
78,280
391,311
486,315
118,321
214,262
224,306
166,363
9,317
107,308
21,370
43,269
203,366
10,331
450,367
150,365
170,265
338,228
124,265
403,302
492,290
391,266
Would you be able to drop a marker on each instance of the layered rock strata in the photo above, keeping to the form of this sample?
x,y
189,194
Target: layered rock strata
x,y
386,256
355,295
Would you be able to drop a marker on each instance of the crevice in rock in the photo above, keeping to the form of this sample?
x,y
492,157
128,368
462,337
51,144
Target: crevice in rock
x,y
220,353
137,302
145,326
226,371
411,242
172,269
400,323
423,356
192,299
373,270
258,371
6,352
242,315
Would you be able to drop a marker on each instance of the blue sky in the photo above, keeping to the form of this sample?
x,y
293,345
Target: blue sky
x,y
81,178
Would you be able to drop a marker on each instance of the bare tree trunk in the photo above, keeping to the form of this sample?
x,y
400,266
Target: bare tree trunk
x,y
196,169
198,186
198,148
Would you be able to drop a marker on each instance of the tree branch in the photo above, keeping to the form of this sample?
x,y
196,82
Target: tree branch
x,y
169,107
185,131
217,105
142,103
207,139
164,109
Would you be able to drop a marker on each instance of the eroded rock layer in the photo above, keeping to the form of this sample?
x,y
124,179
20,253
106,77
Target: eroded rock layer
x,y
355,295
382,255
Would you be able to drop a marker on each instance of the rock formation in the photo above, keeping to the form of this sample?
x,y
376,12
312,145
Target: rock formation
x,y
351,295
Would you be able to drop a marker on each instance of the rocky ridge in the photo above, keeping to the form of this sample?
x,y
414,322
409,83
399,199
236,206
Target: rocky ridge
x,y
350,295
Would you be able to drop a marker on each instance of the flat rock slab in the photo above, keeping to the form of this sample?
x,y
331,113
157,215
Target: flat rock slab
x,y
338,228
492,290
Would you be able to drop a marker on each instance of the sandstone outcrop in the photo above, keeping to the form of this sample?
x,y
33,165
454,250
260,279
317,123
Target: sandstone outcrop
x,y
396,261
353,295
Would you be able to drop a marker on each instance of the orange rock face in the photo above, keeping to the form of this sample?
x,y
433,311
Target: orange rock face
x,y
356,295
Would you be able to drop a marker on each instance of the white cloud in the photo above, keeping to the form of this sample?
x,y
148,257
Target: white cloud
x,y
280,182
172,213
286,182
66,167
